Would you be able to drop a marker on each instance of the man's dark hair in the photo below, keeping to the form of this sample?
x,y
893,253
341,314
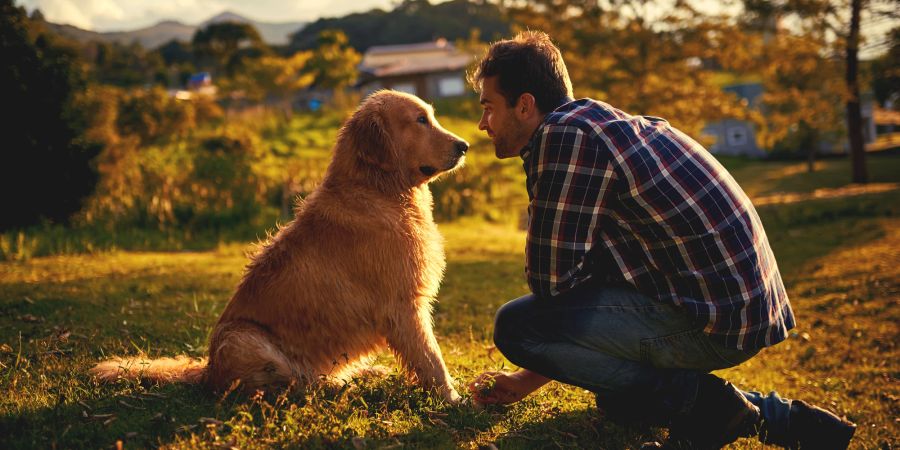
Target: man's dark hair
x,y
529,62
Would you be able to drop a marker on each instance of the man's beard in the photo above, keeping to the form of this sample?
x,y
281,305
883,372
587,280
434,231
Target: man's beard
x,y
504,145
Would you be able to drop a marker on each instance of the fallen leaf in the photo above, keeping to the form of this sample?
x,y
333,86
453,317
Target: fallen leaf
x,y
30,318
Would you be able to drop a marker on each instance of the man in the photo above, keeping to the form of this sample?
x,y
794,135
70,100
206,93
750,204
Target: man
x,y
648,266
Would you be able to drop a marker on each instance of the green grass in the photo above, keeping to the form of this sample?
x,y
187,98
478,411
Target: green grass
x,y
60,314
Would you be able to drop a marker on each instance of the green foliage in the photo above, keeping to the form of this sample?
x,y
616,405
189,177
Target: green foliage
x,y
47,167
333,64
803,93
271,77
222,182
224,46
411,21
126,65
153,114
885,72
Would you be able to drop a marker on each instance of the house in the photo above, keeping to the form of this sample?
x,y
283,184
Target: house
x,y
886,124
880,128
737,137
431,70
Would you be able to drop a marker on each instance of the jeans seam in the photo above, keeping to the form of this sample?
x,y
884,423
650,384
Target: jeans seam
x,y
716,351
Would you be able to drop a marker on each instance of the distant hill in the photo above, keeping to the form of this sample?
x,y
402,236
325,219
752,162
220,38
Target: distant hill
x,y
274,33
156,35
410,22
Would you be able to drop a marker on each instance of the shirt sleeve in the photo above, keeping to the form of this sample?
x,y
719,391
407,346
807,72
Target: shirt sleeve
x,y
570,180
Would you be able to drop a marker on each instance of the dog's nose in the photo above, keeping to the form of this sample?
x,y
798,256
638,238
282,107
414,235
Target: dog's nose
x,y
461,147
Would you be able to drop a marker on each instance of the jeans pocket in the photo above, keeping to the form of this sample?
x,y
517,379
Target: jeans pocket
x,y
689,349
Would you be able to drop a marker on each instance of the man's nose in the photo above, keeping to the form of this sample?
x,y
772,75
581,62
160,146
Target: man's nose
x,y
461,147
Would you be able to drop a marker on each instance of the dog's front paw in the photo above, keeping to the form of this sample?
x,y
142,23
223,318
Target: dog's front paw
x,y
452,397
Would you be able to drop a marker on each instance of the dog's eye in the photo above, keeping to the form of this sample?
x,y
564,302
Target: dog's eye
x,y
423,120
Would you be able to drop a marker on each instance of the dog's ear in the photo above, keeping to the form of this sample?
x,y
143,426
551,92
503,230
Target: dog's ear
x,y
366,135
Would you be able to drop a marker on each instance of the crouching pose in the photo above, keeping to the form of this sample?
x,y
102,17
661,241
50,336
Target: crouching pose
x,y
648,266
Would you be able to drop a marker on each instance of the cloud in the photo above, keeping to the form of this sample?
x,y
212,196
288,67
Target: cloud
x,y
63,11
108,15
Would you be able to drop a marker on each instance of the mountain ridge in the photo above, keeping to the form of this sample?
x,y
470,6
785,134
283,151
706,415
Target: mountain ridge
x,y
153,36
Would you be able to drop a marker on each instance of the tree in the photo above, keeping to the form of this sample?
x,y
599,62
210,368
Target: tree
x,y
47,169
126,65
223,45
840,21
175,52
178,58
333,62
273,76
411,21
854,114
802,99
618,52
885,73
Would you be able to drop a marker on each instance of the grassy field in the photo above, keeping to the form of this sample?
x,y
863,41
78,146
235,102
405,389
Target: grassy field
x,y
838,248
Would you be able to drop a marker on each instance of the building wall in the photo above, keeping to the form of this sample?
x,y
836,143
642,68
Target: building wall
x,y
429,86
733,137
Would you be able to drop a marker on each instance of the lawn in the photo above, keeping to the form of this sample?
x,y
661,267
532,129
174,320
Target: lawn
x,y
838,249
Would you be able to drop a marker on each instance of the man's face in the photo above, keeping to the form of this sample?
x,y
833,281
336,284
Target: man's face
x,y
500,121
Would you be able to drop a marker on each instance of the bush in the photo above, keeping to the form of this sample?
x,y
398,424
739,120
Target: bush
x,y
47,168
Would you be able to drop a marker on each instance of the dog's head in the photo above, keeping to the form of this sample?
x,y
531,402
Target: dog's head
x,y
397,133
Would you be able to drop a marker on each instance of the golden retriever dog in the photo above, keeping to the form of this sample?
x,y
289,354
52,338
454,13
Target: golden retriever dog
x,y
357,269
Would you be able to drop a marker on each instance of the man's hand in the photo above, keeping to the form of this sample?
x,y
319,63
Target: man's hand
x,y
502,388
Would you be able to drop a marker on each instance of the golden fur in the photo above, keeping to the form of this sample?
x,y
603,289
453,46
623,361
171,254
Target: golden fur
x,y
357,269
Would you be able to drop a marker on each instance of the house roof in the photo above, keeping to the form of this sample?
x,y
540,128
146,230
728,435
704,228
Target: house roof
x,y
440,44
409,66
408,59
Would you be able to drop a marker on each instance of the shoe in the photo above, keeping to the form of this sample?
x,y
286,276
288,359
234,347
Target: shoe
x,y
720,416
811,427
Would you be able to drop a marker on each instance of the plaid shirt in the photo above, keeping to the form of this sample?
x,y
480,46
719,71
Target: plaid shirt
x,y
631,199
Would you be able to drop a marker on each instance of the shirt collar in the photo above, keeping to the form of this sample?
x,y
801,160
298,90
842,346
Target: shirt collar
x,y
525,152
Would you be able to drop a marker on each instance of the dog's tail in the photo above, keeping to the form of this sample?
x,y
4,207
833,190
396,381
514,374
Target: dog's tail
x,y
180,369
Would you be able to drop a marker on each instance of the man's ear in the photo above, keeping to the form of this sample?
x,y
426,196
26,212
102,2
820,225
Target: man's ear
x,y
526,106
365,133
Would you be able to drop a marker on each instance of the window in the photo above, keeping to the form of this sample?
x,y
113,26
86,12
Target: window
x,y
451,86
737,136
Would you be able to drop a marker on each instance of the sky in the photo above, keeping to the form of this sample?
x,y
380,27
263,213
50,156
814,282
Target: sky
x,y
117,15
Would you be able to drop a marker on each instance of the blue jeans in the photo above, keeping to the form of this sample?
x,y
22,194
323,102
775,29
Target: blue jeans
x,y
641,357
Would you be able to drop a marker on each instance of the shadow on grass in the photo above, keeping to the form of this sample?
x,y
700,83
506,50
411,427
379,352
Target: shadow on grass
x,y
577,429
802,232
139,419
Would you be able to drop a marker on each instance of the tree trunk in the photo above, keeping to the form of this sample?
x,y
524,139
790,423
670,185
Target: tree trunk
x,y
811,142
854,115
811,157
